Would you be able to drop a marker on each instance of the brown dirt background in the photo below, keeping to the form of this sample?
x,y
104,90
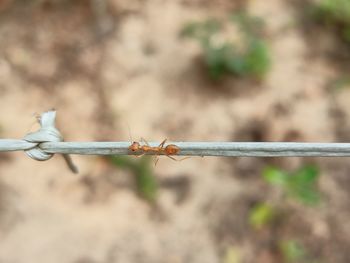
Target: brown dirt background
x,y
104,64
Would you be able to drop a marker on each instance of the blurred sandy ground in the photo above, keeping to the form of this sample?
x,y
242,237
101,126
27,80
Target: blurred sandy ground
x,y
102,67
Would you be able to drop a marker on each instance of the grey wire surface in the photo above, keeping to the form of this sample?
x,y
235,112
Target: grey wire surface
x,y
257,149
42,144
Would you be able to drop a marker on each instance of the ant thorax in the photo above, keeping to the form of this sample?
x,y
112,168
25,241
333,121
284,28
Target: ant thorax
x,y
172,149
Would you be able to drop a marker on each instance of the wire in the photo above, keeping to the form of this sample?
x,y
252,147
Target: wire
x,y
44,143
231,149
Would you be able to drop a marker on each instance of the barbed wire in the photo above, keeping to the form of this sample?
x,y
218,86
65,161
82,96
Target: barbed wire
x,y
228,149
47,141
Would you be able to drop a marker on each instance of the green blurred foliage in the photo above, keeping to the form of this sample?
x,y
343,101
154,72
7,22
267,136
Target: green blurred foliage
x,y
335,12
232,255
202,30
300,185
261,215
292,251
146,182
228,57
340,83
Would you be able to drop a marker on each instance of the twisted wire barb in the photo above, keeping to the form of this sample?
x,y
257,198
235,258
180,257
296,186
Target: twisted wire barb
x,y
46,133
47,141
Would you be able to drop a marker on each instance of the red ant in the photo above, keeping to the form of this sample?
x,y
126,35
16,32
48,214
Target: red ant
x,y
170,149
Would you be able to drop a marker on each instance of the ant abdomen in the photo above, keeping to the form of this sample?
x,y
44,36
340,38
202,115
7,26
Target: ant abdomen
x,y
172,149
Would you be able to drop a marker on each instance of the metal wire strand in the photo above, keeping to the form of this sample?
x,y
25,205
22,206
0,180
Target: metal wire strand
x,y
245,149
47,141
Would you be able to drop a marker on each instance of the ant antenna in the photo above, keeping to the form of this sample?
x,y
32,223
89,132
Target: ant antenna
x,y
129,130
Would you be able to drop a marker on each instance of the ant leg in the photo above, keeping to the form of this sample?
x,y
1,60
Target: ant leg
x,y
144,140
156,160
172,158
178,160
139,155
161,145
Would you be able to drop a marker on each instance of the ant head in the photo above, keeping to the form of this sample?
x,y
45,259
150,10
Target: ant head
x,y
135,146
172,149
